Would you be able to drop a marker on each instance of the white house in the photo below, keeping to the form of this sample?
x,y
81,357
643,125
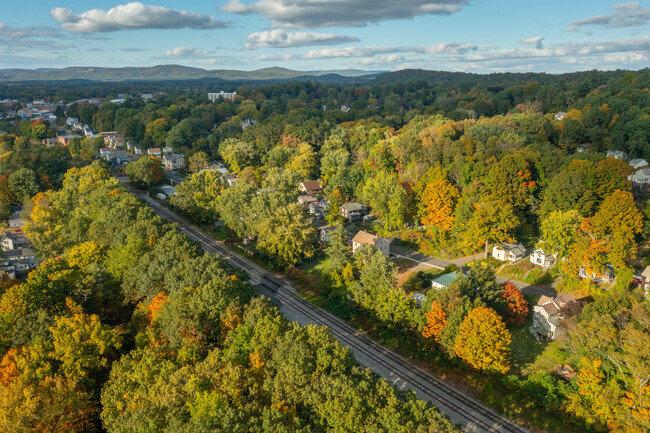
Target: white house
x,y
154,151
230,96
14,241
560,115
540,258
618,154
167,150
365,238
640,177
548,315
638,163
508,252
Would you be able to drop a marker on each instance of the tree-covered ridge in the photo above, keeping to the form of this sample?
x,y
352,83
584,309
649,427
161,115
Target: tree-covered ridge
x,y
128,326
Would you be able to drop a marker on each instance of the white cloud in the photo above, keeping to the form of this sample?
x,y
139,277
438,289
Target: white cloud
x,y
276,57
185,52
627,57
28,32
327,53
283,39
133,16
445,48
629,14
536,41
383,60
590,53
340,13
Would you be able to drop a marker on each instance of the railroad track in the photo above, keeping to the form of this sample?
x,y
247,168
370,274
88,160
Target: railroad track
x,y
461,409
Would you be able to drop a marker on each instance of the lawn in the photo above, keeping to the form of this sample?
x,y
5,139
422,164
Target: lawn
x,y
489,262
516,271
532,356
539,277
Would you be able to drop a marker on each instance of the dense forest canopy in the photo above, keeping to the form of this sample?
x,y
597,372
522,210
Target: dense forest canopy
x,y
124,309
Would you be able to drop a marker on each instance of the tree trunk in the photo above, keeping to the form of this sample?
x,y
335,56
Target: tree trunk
x,y
486,249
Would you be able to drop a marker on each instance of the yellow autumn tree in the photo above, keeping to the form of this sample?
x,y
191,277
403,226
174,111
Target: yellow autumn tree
x,y
83,255
483,341
82,343
439,198
436,322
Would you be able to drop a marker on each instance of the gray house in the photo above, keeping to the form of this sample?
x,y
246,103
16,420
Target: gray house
x,y
354,211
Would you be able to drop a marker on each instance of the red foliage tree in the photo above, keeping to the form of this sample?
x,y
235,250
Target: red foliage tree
x,y
516,305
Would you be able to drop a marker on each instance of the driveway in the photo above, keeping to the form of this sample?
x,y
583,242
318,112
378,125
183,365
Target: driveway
x,y
437,263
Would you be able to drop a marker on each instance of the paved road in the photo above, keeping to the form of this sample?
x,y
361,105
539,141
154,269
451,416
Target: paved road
x,y
441,264
461,409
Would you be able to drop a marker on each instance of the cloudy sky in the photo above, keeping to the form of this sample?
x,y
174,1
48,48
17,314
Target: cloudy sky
x,y
457,35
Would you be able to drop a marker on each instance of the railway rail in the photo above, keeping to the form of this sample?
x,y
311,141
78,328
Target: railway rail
x,y
460,408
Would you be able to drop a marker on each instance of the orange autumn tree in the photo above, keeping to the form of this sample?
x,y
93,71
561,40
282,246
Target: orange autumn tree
x,y
483,341
438,198
156,304
516,305
436,322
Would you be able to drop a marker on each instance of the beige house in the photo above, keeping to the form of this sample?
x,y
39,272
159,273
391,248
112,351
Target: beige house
x,y
645,283
365,238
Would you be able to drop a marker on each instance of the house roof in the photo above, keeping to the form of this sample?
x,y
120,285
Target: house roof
x,y
352,207
638,161
515,248
307,199
445,279
11,235
311,185
643,172
646,272
365,238
553,306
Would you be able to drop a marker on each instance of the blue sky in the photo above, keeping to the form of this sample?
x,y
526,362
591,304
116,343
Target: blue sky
x,y
456,35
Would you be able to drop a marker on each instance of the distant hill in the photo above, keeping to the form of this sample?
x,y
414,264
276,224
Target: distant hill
x,y
170,72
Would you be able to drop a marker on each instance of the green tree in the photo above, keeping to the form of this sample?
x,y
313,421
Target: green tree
x,y
198,161
490,221
337,248
235,207
558,231
287,235
146,171
22,183
198,196
237,154
387,198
